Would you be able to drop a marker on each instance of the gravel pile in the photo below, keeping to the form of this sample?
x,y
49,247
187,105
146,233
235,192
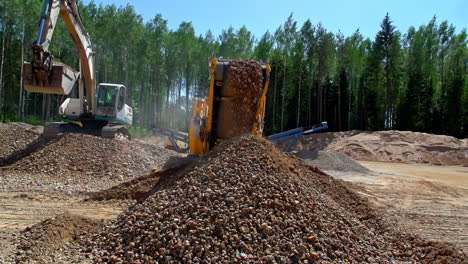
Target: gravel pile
x,y
16,136
247,82
247,202
136,189
331,161
38,243
82,163
94,156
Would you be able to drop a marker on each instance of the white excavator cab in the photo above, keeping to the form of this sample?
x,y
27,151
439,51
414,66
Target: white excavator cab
x,y
112,104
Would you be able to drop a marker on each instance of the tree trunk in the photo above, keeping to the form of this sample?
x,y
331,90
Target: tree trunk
x,y
3,57
339,108
309,103
187,97
299,101
20,101
168,94
274,100
43,112
283,94
350,91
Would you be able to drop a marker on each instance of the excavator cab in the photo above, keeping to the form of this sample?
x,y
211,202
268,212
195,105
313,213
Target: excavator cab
x,y
112,104
102,111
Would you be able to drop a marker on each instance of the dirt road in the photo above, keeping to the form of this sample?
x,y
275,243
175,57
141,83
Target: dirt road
x,y
431,201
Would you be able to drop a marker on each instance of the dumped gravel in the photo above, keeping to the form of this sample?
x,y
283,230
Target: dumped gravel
x,y
16,136
136,189
391,146
94,156
39,242
247,202
247,82
331,161
82,163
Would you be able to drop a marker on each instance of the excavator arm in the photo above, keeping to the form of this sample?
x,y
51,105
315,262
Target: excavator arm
x,y
44,75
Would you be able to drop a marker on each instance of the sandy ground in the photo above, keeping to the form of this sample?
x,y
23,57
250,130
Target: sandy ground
x,y
431,201
21,210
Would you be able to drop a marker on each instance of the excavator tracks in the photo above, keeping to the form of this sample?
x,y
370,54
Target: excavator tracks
x,y
56,129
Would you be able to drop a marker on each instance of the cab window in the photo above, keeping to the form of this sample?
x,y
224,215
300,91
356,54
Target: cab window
x,y
107,96
121,101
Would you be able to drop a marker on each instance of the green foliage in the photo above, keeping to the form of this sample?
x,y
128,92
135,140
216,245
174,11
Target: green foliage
x,y
412,81
34,120
140,132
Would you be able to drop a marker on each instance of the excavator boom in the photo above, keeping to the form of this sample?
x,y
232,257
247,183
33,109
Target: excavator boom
x,y
44,75
100,110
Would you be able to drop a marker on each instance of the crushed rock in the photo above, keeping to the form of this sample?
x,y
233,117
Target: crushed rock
x,y
139,188
39,242
246,79
82,163
136,189
16,136
248,202
331,161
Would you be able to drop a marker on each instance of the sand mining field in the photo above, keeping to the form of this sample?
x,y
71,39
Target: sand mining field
x,y
245,202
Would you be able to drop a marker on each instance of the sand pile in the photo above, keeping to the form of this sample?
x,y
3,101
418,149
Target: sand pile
x,y
248,202
16,136
331,161
391,146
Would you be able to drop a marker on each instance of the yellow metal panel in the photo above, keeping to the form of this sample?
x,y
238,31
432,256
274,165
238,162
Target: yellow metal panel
x,y
80,38
196,144
260,117
203,109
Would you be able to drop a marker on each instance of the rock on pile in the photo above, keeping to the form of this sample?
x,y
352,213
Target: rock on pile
x,y
93,156
331,161
41,240
247,82
16,136
247,202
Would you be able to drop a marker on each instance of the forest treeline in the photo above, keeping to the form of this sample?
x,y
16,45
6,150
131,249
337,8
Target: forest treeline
x,y
413,80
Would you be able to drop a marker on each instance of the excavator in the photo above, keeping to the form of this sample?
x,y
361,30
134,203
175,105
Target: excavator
x,y
214,118
100,109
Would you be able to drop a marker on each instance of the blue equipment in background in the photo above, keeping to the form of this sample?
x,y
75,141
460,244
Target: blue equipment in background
x,y
295,133
173,137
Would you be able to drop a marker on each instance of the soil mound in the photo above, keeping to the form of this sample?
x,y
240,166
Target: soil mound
x,y
391,146
16,136
331,160
41,240
247,202
93,156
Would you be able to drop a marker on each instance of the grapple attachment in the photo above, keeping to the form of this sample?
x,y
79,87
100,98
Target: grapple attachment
x,y
59,80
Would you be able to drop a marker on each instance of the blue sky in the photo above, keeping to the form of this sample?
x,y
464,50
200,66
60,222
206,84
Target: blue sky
x,y
259,16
